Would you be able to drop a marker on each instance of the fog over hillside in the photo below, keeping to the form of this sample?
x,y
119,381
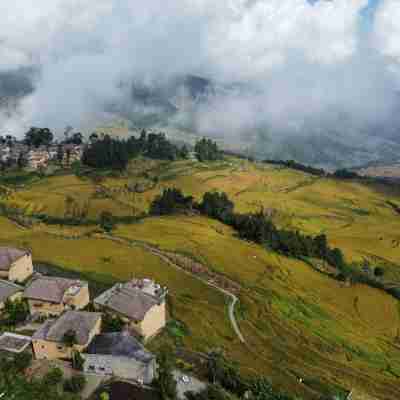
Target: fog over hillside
x,y
315,80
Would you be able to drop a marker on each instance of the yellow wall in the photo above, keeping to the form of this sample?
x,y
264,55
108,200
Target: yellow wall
x,y
21,269
45,308
80,301
53,350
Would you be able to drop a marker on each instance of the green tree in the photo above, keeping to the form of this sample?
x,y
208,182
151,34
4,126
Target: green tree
x,y
53,377
107,221
69,338
75,384
38,137
166,382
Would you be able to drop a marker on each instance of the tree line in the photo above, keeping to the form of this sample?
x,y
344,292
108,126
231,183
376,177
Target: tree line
x,y
255,227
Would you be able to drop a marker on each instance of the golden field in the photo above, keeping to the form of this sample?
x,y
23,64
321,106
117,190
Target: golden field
x,y
297,322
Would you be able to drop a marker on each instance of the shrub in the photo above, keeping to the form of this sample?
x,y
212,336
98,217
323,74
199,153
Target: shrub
x,y
379,272
75,384
53,377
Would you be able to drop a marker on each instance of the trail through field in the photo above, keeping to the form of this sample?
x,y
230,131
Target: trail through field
x,y
167,258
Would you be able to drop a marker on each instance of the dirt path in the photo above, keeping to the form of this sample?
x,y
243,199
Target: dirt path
x,y
166,258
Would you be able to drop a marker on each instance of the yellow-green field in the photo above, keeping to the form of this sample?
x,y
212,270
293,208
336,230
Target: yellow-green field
x,y
297,322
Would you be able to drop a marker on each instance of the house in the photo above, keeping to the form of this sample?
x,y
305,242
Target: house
x,y
51,296
13,343
37,158
49,341
15,264
9,291
71,153
120,355
139,303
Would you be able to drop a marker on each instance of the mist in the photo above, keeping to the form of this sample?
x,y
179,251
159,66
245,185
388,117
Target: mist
x,y
282,71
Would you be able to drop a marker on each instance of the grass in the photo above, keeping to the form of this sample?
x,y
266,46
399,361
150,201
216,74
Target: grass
x,y
298,322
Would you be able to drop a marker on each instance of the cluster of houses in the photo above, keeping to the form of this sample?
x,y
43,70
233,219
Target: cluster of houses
x,y
39,157
59,302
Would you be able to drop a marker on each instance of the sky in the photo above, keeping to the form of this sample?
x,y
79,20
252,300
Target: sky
x,y
303,65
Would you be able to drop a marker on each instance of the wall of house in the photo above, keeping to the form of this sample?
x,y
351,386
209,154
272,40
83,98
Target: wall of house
x,y
153,322
45,308
53,350
81,300
14,297
21,269
121,367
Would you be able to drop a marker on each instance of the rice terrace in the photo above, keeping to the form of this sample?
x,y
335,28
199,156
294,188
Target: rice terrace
x,y
308,331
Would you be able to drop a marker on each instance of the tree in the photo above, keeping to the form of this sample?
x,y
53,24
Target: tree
x,y
207,150
379,272
107,221
69,338
217,205
53,377
171,201
166,382
76,138
38,137
77,361
17,311
75,384
112,324
60,153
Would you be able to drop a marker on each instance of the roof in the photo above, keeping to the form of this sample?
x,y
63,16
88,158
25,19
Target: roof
x,y
128,301
51,289
14,343
7,289
119,345
80,322
9,255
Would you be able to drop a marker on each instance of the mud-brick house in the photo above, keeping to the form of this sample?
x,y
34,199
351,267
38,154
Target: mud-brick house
x,y
51,296
140,303
15,264
9,292
53,339
120,355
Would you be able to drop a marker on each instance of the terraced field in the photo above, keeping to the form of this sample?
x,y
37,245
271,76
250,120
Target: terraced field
x,y
297,322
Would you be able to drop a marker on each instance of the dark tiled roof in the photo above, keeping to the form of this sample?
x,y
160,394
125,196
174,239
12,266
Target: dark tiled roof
x,y
14,343
119,345
8,289
128,301
82,323
9,255
51,289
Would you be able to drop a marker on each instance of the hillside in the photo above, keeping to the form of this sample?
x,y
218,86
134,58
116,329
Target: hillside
x,y
297,322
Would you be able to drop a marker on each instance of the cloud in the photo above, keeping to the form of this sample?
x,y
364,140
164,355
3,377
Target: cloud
x,y
297,66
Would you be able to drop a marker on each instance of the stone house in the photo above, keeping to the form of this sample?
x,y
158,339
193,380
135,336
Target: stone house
x,y
49,340
37,158
71,154
120,355
140,303
9,291
51,296
15,264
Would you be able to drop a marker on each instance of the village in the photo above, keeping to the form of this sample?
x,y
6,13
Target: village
x,y
100,338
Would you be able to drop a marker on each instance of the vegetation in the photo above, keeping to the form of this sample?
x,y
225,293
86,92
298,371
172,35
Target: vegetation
x,y
207,150
171,201
298,166
37,137
16,311
111,323
75,384
165,381
69,338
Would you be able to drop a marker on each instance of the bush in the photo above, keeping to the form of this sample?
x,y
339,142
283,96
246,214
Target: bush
x,y
112,324
379,272
53,377
75,384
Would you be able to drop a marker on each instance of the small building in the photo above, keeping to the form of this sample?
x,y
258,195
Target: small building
x,y
71,153
49,341
15,264
9,291
51,296
37,158
120,355
139,303
13,343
